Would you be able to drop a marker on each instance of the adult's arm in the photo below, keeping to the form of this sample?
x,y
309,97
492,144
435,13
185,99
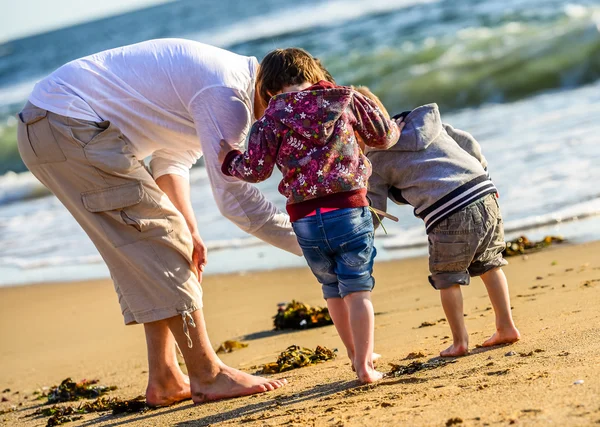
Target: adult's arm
x,y
177,188
223,113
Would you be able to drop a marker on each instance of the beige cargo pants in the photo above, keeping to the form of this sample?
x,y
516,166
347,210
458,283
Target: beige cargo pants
x,y
140,234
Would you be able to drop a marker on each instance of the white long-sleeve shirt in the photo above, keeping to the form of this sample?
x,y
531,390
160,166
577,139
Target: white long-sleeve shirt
x,y
174,100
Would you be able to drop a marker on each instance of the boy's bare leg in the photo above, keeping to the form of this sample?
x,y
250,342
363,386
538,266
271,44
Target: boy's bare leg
x,y
497,288
167,384
452,302
362,325
210,378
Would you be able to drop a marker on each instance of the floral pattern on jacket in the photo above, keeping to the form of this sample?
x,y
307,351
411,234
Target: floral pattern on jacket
x,y
310,136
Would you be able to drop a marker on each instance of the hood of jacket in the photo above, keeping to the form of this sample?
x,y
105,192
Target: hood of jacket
x,y
312,112
422,126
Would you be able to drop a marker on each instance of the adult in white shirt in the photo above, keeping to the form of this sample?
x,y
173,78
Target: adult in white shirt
x,y
83,134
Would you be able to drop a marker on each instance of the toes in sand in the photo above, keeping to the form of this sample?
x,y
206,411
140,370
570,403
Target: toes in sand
x,y
455,350
503,337
368,375
230,383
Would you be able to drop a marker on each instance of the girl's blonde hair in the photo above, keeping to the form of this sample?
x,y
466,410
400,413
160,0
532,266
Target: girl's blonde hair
x,y
288,67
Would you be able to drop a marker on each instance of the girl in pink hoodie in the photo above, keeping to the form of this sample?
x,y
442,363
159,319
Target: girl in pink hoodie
x,y
308,132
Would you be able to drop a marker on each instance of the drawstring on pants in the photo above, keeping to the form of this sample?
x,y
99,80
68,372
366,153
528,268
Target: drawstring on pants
x,y
187,318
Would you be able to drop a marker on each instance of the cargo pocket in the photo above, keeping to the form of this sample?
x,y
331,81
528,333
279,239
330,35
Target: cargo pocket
x,y
108,150
40,136
448,257
127,213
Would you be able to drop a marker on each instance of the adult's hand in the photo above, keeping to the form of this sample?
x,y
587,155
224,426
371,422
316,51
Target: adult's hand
x,y
199,256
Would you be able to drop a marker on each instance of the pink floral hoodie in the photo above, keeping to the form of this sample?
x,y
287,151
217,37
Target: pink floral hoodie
x,y
310,136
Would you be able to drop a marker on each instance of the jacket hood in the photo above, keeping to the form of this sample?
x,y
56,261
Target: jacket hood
x,y
311,112
422,126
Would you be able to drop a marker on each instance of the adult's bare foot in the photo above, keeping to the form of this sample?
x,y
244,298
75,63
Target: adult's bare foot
x,y
503,337
168,392
455,350
229,383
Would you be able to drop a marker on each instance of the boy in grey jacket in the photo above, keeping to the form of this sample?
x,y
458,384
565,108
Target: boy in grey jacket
x,y
442,173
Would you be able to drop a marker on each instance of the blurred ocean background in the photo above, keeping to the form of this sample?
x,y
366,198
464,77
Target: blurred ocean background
x,y
523,76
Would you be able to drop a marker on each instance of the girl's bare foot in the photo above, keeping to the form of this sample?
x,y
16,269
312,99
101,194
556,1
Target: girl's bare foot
x,y
230,382
374,357
368,375
170,392
503,337
455,350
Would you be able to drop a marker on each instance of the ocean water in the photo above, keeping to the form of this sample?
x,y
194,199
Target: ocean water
x,y
520,75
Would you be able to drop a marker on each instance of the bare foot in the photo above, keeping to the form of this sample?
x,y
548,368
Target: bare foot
x,y
165,394
368,375
455,350
374,357
503,337
230,383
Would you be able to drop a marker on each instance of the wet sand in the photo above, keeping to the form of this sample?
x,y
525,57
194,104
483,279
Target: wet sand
x,y
53,331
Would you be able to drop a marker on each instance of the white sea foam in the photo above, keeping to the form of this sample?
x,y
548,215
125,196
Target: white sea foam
x,y
19,186
301,18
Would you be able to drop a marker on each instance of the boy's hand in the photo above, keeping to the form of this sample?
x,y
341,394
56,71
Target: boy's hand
x,y
225,148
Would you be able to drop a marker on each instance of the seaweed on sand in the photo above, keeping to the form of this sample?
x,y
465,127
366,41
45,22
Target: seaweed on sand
x,y
230,345
523,245
64,414
416,366
297,315
297,357
69,391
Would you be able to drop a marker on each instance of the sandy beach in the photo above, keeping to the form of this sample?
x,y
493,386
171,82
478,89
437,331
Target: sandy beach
x,y
552,376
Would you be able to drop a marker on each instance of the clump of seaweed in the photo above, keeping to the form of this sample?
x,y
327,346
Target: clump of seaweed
x,y
416,366
64,414
230,345
297,357
6,411
523,245
69,391
297,315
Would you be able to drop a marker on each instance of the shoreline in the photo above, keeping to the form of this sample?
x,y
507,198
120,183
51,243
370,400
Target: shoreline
x,y
52,331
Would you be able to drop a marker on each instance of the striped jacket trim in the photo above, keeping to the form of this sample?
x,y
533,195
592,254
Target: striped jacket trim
x,y
456,200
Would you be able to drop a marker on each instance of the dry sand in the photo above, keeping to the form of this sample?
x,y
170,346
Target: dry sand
x,y
49,332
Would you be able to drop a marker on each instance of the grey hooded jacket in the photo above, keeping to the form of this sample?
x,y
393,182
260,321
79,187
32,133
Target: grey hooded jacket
x,y
435,168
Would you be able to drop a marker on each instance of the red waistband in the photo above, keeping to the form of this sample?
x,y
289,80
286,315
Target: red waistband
x,y
347,199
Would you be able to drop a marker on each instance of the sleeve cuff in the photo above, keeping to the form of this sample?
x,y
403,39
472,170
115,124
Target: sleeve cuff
x,y
227,162
159,169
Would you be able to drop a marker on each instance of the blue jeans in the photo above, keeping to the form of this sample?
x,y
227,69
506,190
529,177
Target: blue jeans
x,y
338,247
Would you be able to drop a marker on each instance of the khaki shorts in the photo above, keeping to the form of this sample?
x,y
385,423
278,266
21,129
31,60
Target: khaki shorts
x,y
468,243
140,234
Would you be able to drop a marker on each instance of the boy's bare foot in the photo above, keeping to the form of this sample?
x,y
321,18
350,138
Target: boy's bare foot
x,y
455,350
368,375
503,337
168,393
229,383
